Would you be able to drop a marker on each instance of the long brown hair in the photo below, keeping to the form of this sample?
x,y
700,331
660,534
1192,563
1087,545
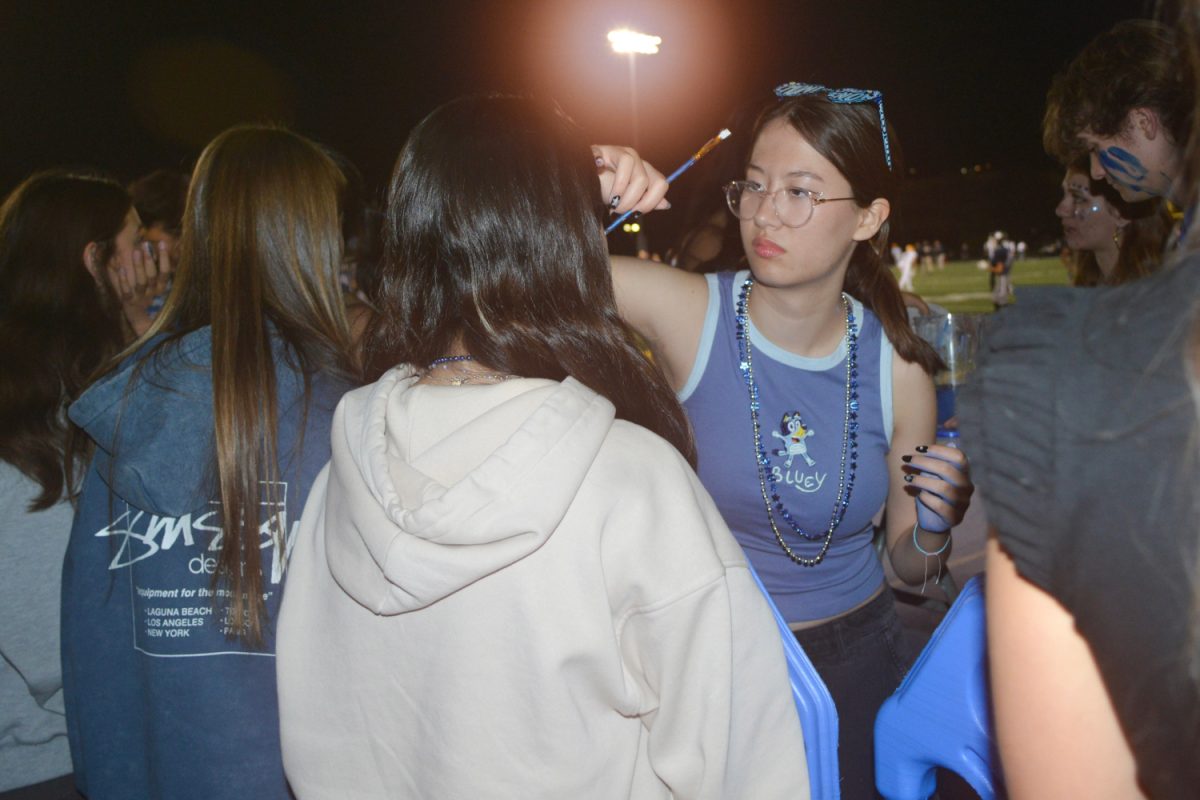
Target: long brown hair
x,y
1134,65
850,137
493,238
1142,239
259,258
58,324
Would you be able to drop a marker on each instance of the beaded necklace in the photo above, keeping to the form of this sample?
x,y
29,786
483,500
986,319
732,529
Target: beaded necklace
x,y
437,362
771,498
461,379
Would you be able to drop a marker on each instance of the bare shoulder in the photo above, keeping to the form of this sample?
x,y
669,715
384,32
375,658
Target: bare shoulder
x,y
909,375
912,391
666,306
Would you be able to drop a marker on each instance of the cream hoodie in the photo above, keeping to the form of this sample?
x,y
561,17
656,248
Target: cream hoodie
x,y
502,592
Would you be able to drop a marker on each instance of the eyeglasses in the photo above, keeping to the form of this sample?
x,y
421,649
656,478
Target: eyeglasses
x,y
842,96
793,206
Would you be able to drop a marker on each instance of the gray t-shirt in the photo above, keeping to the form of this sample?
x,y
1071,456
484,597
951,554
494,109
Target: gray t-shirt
x,y
33,726
1085,442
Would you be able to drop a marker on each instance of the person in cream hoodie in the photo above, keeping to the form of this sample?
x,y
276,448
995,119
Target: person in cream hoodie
x,y
509,582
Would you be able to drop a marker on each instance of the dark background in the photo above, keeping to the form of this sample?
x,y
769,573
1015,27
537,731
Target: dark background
x,y
128,87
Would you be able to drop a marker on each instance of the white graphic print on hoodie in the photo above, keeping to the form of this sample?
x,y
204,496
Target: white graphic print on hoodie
x,y
502,591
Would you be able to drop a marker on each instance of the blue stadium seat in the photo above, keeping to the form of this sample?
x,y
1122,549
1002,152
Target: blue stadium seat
x,y
818,715
940,715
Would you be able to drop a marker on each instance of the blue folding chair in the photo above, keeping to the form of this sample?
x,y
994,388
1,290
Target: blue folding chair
x,y
818,715
940,716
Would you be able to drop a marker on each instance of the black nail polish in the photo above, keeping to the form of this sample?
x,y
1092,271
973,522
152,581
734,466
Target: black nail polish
x,y
908,478
636,216
921,448
906,459
616,201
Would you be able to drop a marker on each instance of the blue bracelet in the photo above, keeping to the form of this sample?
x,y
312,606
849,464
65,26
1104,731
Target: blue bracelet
x,y
922,550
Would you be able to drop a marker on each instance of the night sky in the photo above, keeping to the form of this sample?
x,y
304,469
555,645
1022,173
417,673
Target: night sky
x,y
130,87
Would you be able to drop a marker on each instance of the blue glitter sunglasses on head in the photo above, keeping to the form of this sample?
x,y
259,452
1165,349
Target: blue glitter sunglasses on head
x,y
842,96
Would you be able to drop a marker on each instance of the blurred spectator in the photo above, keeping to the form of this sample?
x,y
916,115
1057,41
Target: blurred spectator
x,y
926,256
1111,241
362,244
907,264
61,234
1084,411
1001,263
1125,105
210,433
159,199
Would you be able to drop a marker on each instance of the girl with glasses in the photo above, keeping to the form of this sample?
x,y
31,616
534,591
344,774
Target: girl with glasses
x,y
509,582
810,396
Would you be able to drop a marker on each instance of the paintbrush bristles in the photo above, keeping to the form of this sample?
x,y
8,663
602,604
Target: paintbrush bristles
x,y
710,144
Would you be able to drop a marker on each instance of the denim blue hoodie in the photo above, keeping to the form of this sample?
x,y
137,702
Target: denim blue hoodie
x,y
160,703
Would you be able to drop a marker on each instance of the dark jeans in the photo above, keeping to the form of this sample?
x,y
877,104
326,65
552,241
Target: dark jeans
x,y
62,788
862,658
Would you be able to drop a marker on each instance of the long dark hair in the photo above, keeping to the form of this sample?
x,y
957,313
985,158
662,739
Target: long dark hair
x,y
259,259
493,238
58,324
849,136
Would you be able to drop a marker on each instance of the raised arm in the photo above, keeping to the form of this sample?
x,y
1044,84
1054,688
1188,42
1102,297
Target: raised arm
x,y
665,305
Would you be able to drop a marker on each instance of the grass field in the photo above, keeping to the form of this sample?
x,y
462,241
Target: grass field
x,y
962,287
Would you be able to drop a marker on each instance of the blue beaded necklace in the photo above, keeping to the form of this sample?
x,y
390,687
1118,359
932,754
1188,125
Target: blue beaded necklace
x,y
450,360
766,478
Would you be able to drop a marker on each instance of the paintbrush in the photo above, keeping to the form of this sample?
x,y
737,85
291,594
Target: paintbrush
x,y
684,167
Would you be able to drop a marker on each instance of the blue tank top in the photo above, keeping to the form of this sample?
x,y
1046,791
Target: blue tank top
x,y
717,403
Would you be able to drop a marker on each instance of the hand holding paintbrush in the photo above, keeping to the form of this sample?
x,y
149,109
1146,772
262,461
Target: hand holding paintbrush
x,y
633,178
632,185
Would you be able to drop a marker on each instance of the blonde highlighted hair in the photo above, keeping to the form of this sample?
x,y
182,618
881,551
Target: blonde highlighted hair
x,y
259,260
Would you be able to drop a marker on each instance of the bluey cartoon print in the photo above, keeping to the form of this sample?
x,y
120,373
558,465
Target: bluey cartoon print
x,y
794,434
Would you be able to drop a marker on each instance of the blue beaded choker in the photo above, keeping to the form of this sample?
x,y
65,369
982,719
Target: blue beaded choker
x,y
437,362
766,478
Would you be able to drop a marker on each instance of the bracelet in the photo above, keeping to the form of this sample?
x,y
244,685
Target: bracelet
x,y
925,552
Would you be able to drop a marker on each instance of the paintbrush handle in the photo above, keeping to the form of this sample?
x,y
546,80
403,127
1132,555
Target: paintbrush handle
x,y
684,167
670,178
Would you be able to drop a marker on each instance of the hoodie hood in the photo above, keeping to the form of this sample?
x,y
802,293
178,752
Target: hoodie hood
x,y
432,488
152,421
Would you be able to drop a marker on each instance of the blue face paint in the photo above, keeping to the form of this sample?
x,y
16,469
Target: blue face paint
x,y
1124,168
